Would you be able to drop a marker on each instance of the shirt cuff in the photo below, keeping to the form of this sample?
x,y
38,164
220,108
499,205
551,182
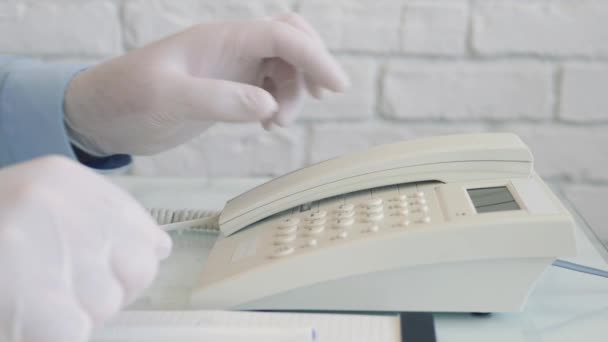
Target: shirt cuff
x,y
32,114
113,163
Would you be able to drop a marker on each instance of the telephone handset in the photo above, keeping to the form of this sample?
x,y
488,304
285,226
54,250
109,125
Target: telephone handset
x,y
445,159
452,223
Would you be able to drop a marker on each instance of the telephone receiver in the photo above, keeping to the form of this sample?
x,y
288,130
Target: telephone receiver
x,y
452,223
445,159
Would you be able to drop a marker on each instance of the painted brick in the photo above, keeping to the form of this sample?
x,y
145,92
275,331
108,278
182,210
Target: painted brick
x,y
467,91
584,91
149,20
236,150
355,25
335,139
434,27
60,28
546,27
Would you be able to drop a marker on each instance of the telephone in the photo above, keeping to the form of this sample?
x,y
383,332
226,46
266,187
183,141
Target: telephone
x,y
456,223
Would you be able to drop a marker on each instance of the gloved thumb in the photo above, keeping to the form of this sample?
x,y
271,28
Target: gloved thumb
x,y
219,100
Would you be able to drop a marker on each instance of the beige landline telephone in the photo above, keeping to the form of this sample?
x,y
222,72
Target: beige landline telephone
x,y
454,223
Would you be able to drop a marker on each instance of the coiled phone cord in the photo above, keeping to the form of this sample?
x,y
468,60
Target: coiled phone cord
x,y
187,219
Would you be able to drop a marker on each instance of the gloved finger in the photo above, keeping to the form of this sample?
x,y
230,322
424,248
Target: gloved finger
x,y
276,39
97,290
286,84
46,315
219,100
313,89
299,23
135,267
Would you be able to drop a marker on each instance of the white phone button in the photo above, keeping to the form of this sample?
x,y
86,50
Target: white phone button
x,y
402,224
283,251
400,212
341,235
419,194
374,217
310,243
374,209
423,209
400,198
372,228
317,215
316,222
346,207
287,229
420,201
315,229
399,205
374,202
345,222
344,214
425,219
283,238
292,221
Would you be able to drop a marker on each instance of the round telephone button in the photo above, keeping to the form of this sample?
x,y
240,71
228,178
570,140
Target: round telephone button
x,y
372,228
287,229
422,209
316,222
419,194
401,212
310,243
341,235
314,229
344,214
425,219
283,238
421,201
317,215
346,207
400,205
374,217
374,202
292,221
374,209
345,222
402,224
283,251
400,198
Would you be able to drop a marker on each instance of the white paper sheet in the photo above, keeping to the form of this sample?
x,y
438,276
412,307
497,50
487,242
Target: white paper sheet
x,y
329,327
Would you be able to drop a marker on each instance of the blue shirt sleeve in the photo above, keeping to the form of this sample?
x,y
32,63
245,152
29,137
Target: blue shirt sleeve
x,y
32,114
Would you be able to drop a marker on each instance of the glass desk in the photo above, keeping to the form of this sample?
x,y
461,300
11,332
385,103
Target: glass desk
x,y
565,305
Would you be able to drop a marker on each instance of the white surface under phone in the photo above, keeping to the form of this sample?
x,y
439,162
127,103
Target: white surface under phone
x,y
447,224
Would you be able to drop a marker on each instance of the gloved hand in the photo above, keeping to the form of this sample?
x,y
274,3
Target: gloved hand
x,y
168,92
73,250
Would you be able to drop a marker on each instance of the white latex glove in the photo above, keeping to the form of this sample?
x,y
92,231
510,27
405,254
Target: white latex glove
x,y
73,250
168,92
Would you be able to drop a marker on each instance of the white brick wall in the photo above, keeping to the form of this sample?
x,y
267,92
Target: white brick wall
x,y
467,91
419,68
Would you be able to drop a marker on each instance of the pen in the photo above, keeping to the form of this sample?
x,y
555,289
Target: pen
x,y
206,334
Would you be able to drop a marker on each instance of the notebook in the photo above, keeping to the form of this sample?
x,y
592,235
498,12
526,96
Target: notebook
x,y
328,327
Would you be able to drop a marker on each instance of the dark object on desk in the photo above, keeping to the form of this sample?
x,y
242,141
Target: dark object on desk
x,y
417,327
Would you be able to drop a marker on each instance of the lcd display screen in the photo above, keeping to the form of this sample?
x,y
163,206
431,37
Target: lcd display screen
x,y
488,200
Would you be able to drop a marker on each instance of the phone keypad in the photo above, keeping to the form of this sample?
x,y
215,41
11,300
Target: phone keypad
x,y
364,214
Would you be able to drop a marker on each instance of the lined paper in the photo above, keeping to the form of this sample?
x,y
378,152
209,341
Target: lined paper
x,y
329,327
